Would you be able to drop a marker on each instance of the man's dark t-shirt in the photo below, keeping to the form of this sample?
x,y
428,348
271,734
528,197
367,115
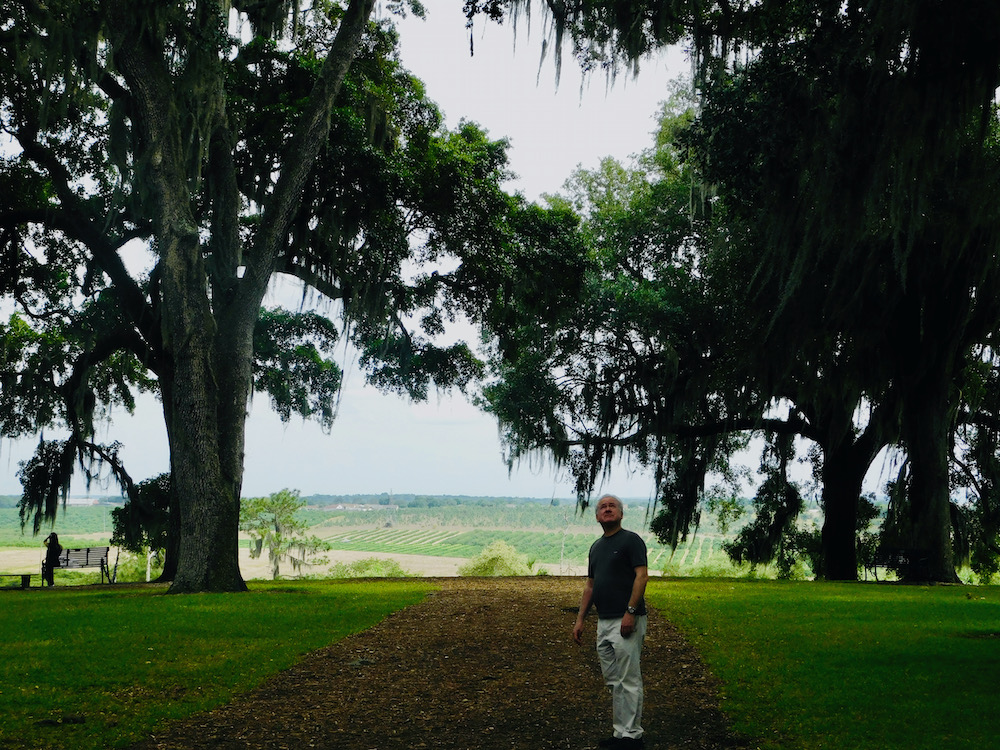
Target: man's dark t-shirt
x,y
612,563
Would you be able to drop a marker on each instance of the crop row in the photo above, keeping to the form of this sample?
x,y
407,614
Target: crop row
x,y
540,547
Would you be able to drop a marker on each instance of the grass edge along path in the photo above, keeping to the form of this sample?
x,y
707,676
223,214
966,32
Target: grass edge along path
x,y
101,667
823,666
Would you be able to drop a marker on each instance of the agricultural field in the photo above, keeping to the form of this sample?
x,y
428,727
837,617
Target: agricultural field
x,y
77,526
553,538
562,548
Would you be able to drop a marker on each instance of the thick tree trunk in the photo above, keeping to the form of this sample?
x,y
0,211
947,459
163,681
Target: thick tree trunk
x,y
925,425
209,511
843,473
845,463
233,368
207,557
172,551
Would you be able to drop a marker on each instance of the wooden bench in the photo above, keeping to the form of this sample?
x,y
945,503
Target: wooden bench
x,y
896,559
25,578
85,557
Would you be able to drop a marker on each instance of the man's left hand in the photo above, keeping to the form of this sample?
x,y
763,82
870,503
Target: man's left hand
x,y
628,624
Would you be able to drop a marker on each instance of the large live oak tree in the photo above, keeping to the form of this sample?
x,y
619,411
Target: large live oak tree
x,y
233,141
859,148
853,146
658,356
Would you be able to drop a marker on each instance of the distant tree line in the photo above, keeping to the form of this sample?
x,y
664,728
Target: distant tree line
x,y
419,501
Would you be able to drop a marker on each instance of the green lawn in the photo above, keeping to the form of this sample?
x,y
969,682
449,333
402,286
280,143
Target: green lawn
x,y
805,666
860,666
87,667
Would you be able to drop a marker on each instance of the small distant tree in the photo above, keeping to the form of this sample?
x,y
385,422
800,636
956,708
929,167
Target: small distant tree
x,y
272,524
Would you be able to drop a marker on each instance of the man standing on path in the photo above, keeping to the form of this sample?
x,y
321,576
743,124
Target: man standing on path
x,y
616,582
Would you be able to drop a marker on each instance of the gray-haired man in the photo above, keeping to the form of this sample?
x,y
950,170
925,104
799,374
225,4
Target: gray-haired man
x,y
617,573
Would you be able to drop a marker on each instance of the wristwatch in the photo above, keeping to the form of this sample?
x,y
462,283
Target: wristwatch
x,y
631,610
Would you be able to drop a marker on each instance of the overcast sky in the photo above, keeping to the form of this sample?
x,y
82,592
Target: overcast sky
x,y
382,443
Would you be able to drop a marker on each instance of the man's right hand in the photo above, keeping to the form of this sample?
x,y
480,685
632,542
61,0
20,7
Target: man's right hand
x,y
578,632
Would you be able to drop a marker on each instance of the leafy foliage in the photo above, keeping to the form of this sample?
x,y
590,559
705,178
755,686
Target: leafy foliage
x,y
143,522
289,364
138,567
632,361
870,250
847,259
214,147
770,536
45,477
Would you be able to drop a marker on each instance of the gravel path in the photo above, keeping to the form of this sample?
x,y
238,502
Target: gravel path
x,y
482,664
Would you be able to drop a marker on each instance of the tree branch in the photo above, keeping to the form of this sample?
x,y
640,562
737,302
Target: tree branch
x,y
303,147
308,276
74,219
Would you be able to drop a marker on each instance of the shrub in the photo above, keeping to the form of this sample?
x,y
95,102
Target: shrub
x,y
132,568
498,559
370,567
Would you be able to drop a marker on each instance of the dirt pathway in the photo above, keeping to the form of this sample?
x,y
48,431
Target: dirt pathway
x,y
482,664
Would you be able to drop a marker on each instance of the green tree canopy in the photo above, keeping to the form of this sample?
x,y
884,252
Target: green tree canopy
x,y
852,148
622,363
221,145
870,249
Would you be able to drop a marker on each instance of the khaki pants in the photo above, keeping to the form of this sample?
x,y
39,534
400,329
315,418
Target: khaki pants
x,y
620,666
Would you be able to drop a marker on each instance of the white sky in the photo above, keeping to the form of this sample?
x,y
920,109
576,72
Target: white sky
x,y
382,443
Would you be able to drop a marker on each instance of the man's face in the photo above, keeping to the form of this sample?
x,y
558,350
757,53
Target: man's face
x,y
608,512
